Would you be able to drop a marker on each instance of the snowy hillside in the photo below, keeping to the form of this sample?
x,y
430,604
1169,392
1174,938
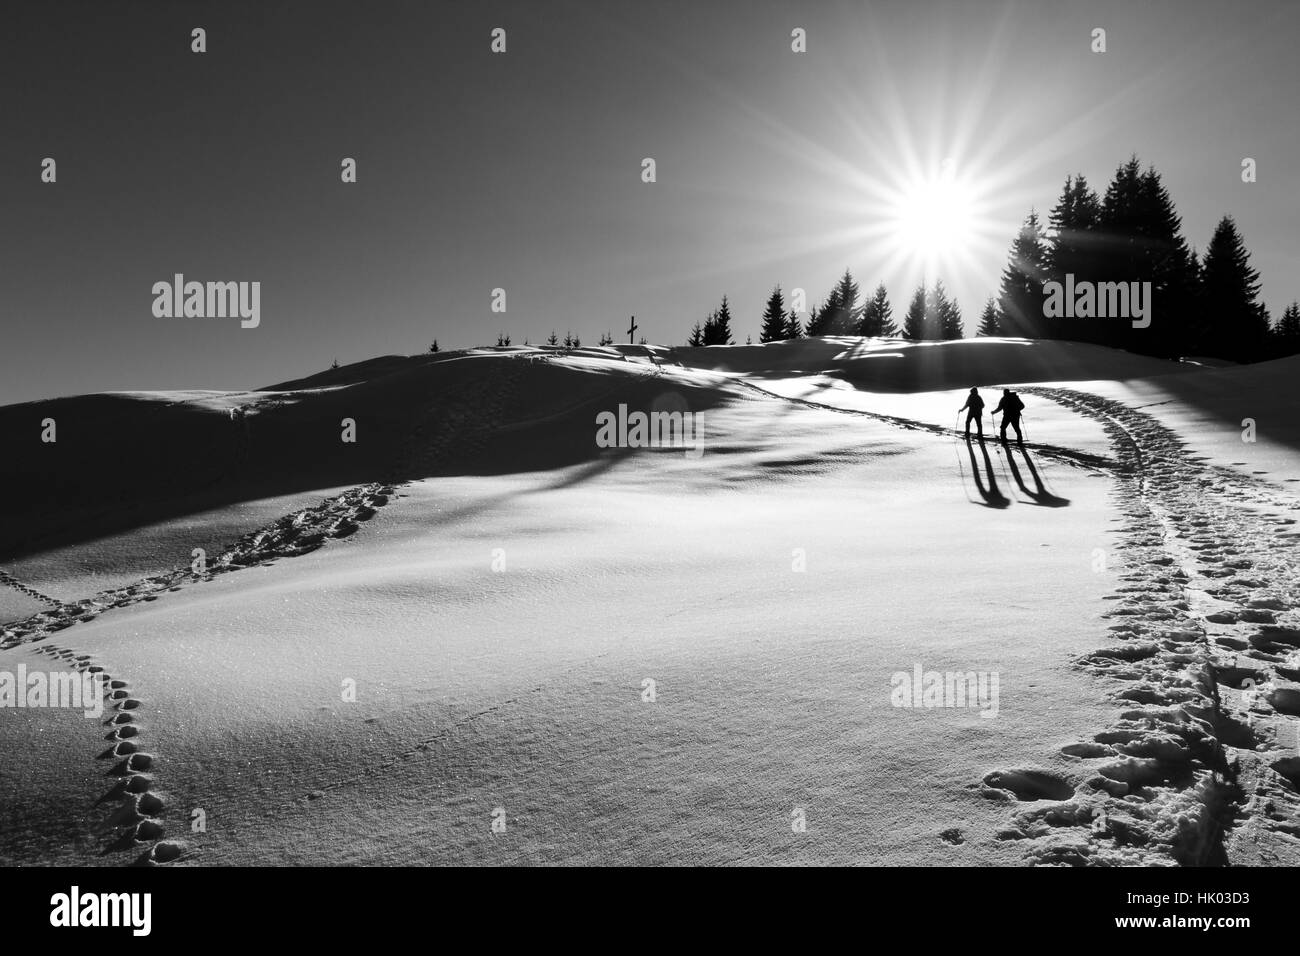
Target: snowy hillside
x,y
474,635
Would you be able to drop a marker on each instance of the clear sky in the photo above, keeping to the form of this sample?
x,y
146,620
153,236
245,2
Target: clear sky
x,y
522,170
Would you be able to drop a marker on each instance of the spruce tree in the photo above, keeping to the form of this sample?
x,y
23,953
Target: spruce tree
x,y
1020,301
724,323
951,325
878,316
1236,326
989,320
793,327
697,337
774,323
434,346
943,319
1121,208
819,320
717,330
1286,335
843,319
1140,240
1122,225
1166,263
815,327
914,324
1072,250
944,315
553,340
838,314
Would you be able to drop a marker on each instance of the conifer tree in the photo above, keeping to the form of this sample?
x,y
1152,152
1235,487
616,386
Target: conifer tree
x,y
914,324
793,327
844,319
1072,250
878,315
717,329
1166,263
774,322
838,314
1020,301
1286,334
819,318
944,315
1140,240
1237,327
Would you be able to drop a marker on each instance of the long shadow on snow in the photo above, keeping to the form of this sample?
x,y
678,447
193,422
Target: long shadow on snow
x,y
128,461
1039,494
991,496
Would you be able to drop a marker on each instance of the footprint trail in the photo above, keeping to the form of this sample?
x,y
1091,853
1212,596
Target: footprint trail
x,y
1200,766
133,806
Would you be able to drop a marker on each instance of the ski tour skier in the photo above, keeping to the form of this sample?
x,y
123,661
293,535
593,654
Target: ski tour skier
x,y
1011,408
975,404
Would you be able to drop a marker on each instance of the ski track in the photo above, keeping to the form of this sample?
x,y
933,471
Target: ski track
x,y
1194,770
1076,459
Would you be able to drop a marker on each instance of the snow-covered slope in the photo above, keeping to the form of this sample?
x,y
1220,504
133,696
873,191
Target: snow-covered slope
x,y
642,656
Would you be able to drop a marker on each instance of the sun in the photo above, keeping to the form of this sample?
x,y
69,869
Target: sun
x,y
935,217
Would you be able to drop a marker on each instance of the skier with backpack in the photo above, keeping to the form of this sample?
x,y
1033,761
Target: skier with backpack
x,y
1011,408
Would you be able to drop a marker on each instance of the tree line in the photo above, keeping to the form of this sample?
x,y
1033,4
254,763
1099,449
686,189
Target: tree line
x,y
931,314
1199,305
